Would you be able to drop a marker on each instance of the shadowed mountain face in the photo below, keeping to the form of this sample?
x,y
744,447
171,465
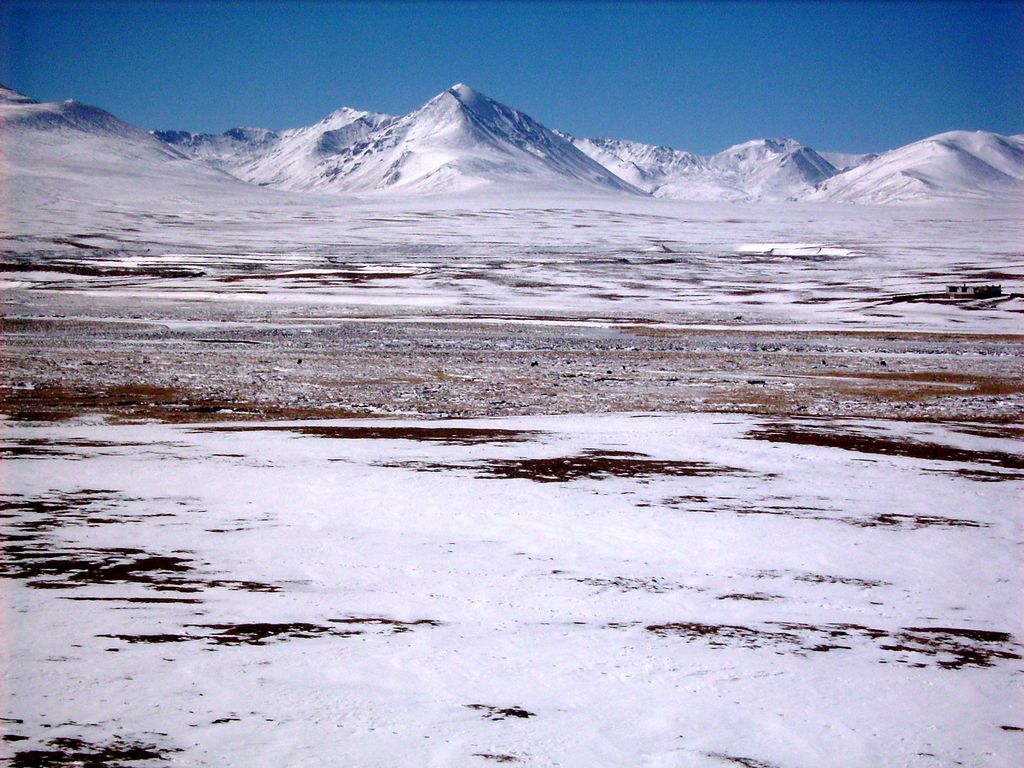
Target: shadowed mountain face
x,y
51,133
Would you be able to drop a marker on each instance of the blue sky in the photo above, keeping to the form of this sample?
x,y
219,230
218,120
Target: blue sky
x,y
853,76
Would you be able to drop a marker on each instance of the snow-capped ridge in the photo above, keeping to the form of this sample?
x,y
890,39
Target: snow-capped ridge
x,y
951,165
761,169
19,111
461,139
11,96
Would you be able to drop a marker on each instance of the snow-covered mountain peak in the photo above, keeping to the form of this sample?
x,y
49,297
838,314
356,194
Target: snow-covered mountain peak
x,y
343,116
458,106
777,150
459,139
464,92
475,101
249,134
461,106
763,146
343,113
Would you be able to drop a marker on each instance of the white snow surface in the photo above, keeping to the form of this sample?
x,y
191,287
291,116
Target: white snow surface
x,y
737,616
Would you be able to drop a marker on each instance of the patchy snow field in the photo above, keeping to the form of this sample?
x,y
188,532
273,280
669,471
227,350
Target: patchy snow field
x,y
803,265
642,590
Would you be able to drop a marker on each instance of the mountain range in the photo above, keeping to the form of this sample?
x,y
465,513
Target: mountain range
x,y
462,141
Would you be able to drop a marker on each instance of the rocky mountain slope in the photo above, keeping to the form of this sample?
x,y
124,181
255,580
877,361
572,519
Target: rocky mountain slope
x,y
759,170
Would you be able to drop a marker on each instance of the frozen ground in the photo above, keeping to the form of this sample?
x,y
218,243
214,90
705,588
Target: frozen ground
x,y
694,590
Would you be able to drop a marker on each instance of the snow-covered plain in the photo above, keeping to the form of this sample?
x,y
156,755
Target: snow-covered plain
x,y
755,265
575,591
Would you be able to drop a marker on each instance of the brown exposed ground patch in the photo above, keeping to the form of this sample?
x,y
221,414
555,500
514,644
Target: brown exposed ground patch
x,y
67,448
325,276
396,627
46,568
820,578
30,554
979,475
497,757
943,647
139,403
745,762
238,634
917,384
443,435
913,522
147,600
97,270
499,713
996,431
260,633
752,596
589,464
861,442
87,506
850,581
863,391
31,550
942,297
892,520
721,635
653,584
76,753
954,648
249,361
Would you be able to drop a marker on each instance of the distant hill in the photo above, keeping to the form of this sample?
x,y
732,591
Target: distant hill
x,y
954,165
